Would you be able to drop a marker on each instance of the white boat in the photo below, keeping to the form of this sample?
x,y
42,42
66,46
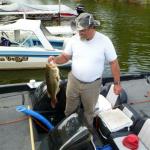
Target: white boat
x,y
38,11
26,44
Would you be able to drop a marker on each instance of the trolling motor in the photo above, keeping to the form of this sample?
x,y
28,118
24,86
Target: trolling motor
x,y
80,9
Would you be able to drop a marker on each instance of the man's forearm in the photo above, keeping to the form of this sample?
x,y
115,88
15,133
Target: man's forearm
x,y
63,58
115,71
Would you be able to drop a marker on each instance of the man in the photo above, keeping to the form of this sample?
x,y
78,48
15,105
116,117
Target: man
x,y
88,50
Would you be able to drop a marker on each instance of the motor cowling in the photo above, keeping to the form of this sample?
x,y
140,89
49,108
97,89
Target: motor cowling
x,y
80,9
41,102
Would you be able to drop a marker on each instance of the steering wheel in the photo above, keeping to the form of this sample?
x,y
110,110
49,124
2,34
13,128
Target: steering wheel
x,y
4,34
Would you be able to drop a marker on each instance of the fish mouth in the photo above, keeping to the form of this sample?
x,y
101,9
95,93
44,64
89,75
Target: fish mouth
x,y
51,65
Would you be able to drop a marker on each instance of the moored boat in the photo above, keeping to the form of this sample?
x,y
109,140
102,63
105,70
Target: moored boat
x,y
26,44
38,11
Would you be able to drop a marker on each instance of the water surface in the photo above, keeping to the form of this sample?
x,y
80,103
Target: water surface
x,y
128,26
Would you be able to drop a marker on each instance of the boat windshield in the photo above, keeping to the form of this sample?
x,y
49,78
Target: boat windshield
x,y
19,38
45,31
49,33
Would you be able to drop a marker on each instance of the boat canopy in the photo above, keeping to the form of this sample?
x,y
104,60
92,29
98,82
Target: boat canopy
x,y
29,25
34,8
61,30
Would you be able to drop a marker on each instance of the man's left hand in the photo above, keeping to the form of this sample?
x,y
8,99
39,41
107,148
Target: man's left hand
x,y
117,89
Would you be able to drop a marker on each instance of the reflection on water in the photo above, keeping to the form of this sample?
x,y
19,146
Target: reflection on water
x,y
14,76
129,28
127,25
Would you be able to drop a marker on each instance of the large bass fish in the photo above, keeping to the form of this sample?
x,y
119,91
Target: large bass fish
x,y
52,81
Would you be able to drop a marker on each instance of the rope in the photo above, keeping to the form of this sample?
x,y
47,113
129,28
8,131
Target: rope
x,y
139,102
14,121
21,119
38,123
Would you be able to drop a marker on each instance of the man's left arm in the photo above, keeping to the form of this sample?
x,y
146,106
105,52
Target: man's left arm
x,y
116,75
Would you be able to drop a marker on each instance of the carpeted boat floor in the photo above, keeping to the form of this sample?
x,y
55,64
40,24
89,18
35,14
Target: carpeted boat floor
x,y
137,95
14,126
14,135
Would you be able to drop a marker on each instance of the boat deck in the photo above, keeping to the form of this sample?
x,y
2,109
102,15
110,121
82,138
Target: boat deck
x,y
14,126
137,95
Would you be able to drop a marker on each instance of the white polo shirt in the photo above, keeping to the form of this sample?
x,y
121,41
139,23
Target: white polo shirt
x,y
88,57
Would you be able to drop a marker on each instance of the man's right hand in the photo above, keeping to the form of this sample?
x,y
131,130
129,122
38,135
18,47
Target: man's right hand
x,y
51,59
61,59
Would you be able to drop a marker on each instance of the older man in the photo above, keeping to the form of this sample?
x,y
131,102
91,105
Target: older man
x,y
88,50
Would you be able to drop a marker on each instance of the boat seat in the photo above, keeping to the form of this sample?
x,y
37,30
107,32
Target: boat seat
x,y
108,99
71,134
141,129
111,119
131,113
115,120
5,42
107,92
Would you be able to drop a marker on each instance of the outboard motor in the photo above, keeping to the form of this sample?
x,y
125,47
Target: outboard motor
x,y
41,102
80,9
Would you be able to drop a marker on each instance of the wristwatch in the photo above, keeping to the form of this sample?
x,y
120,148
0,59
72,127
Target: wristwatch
x,y
116,82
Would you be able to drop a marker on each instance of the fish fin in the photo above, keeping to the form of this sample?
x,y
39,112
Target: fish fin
x,y
53,103
48,95
57,78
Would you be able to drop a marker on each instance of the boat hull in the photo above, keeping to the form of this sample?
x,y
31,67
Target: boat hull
x,y
25,62
38,11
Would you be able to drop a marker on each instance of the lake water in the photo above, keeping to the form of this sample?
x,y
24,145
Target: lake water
x,y
128,25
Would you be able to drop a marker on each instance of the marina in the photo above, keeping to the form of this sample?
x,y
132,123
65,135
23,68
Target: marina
x,y
25,103
126,24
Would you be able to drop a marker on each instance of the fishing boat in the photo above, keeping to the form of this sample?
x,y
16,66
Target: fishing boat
x,y
27,121
26,44
37,11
